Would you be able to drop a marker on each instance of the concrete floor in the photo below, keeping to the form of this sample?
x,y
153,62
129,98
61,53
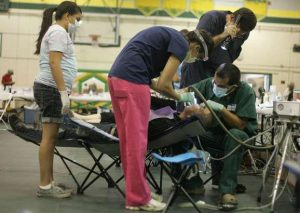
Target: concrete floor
x,y
19,176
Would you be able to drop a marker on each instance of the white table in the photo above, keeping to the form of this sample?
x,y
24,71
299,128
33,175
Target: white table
x,y
101,97
24,95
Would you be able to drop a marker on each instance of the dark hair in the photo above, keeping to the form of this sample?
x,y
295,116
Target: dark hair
x,y
248,19
191,36
63,8
229,71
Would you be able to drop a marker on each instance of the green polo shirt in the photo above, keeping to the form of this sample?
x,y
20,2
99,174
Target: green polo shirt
x,y
241,102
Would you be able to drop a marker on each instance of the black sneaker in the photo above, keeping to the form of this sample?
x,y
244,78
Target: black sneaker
x,y
194,185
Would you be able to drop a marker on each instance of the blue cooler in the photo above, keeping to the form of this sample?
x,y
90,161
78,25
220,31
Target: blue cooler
x,y
31,114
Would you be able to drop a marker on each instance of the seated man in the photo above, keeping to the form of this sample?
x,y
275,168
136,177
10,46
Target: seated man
x,y
7,79
234,103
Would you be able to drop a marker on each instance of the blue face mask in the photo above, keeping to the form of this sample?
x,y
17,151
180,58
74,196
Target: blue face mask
x,y
219,91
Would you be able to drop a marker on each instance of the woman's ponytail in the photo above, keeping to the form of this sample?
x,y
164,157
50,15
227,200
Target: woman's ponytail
x,y
46,23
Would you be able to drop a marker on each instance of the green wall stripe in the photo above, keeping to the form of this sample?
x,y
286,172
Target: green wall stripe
x,y
270,19
128,11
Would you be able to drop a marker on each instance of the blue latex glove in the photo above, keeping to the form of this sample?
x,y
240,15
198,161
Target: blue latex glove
x,y
215,106
187,97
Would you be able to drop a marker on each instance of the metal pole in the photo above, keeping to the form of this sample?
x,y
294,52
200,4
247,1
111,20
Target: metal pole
x,y
285,146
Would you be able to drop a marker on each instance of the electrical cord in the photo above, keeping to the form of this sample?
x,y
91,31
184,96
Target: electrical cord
x,y
224,157
266,205
237,147
203,204
243,143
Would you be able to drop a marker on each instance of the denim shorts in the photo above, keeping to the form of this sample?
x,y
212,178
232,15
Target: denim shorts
x,y
49,102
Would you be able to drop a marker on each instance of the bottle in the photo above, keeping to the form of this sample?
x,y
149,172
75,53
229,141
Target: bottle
x,y
272,95
279,97
99,110
266,98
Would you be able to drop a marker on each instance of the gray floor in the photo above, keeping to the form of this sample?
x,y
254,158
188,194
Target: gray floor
x,y
19,175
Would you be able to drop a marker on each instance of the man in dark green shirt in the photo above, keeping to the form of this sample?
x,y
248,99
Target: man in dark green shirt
x,y
234,103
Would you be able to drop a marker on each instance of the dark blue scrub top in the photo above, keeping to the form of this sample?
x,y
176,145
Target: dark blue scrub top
x,y
213,22
146,54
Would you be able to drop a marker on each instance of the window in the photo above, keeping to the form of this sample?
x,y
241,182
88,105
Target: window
x,y
4,5
257,80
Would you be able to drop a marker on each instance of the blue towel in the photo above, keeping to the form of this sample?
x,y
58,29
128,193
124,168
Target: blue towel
x,y
186,158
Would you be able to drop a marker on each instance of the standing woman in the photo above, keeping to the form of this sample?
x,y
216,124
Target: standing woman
x,y
153,52
57,70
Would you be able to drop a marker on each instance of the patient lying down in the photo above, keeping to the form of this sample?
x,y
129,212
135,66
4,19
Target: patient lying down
x,y
194,110
159,121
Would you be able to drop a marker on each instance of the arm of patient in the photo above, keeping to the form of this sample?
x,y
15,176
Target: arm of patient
x,y
196,110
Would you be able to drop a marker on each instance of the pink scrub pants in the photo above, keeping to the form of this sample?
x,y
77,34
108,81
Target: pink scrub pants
x,y
131,105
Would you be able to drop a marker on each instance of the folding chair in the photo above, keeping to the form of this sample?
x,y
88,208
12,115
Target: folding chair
x,y
158,142
188,160
5,97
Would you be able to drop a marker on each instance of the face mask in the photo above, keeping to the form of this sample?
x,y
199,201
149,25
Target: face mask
x,y
73,27
189,58
219,91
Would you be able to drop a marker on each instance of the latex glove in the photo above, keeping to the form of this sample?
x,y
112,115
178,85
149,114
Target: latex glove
x,y
187,97
215,106
65,102
231,30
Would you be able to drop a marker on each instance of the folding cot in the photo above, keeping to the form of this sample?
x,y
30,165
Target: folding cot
x,y
170,136
89,136
67,139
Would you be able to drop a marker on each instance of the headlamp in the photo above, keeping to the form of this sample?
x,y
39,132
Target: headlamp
x,y
205,58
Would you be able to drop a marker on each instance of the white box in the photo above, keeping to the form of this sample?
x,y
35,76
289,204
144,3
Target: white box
x,y
287,108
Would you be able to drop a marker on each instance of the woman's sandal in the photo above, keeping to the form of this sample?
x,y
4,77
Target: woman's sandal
x,y
228,202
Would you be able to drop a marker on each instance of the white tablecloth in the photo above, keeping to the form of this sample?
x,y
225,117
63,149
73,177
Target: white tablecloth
x,y
27,94
102,97
24,95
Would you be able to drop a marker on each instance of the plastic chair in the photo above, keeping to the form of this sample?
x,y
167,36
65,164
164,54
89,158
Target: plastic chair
x,y
5,98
